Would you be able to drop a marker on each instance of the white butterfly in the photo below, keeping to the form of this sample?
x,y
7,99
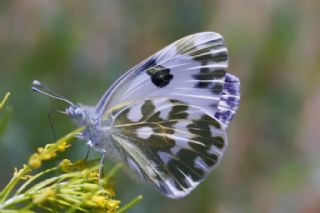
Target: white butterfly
x,y
166,118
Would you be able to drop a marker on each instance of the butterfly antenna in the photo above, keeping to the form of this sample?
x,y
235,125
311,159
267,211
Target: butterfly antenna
x,y
101,166
37,86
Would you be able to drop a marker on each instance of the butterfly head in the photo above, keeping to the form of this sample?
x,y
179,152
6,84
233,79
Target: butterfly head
x,y
81,114
76,113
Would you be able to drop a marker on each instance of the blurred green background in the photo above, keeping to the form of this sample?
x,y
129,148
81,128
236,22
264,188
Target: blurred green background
x,y
78,48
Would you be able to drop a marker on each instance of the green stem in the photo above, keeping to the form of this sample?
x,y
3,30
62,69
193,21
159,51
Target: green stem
x,y
17,211
13,182
66,204
13,200
27,183
41,185
2,103
130,204
52,180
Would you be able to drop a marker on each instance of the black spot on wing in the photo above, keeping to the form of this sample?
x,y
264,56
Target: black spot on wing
x,y
209,158
203,76
218,142
217,88
179,110
218,73
206,74
147,109
173,167
205,54
201,129
183,165
160,76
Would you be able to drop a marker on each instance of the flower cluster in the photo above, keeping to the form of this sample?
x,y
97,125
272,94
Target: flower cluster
x,y
50,150
68,187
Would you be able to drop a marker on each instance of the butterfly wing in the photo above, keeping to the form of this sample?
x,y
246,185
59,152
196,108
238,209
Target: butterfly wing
x,y
191,70
170,113
167,143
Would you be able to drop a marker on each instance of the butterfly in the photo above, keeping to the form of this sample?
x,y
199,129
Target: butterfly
x,y
166,118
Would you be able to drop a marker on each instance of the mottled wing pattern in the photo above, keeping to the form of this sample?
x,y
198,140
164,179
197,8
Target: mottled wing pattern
x,y
191,70
167,143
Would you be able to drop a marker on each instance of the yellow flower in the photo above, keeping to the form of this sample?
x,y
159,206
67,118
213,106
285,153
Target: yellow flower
x,y
48,155
40,149
92,176
100,201
35,161
63,146
49,152
113,204
77,188
110,191
66,165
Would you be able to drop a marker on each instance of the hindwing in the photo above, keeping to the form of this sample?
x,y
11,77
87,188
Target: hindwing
x,y
167,143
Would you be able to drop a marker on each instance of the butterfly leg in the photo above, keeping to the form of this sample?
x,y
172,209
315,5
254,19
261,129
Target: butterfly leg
x,y
87,155
51,124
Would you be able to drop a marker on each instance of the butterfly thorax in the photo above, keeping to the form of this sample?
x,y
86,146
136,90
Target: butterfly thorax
x,y
97,131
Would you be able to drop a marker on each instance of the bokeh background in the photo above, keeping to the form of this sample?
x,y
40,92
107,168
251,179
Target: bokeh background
x,y
79,48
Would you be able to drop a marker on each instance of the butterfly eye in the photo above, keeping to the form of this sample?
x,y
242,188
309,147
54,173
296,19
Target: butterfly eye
x,y
75,112
78,113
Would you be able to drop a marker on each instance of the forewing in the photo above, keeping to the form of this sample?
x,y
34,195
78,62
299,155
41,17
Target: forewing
x,y
168,144
191,70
